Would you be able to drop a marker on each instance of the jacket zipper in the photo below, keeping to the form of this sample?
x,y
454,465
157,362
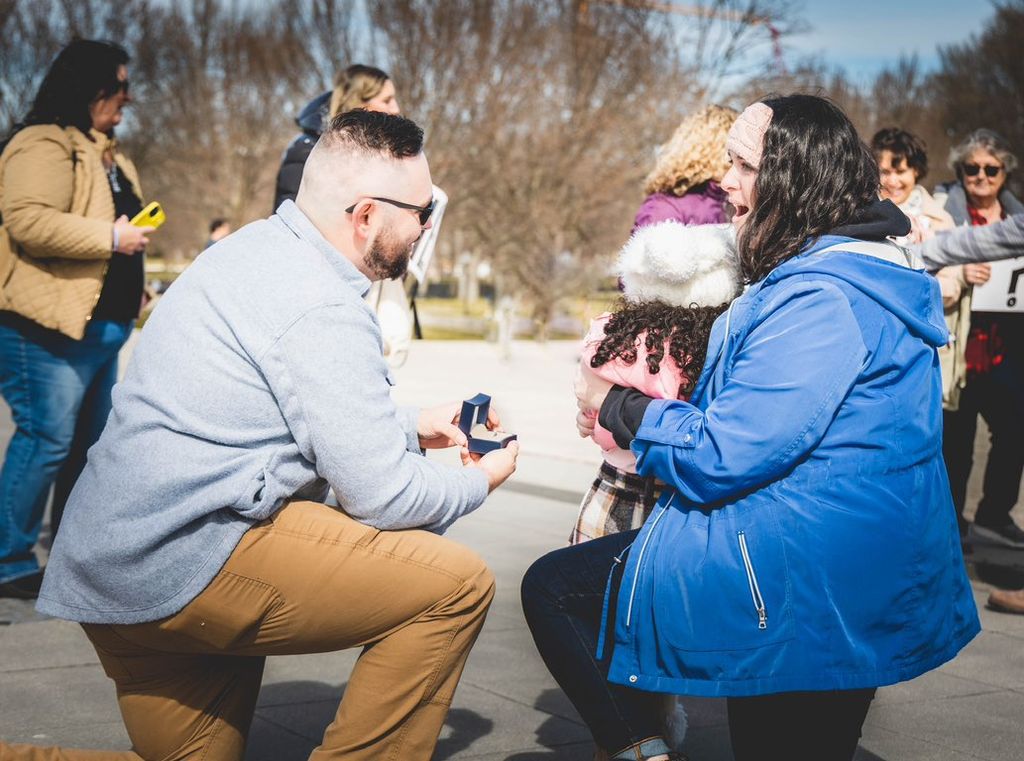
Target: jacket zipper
x,y
755,589
640,560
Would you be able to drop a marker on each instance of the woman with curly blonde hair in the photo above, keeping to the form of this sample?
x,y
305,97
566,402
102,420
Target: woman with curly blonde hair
x,y
683,186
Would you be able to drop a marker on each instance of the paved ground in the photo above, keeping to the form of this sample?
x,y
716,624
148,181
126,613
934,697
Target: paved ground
x,y
507,707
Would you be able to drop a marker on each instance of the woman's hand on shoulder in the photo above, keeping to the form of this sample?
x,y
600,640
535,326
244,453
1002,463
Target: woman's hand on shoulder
x,y
919,232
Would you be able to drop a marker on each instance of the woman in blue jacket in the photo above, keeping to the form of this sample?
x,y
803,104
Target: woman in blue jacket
x,y
807,551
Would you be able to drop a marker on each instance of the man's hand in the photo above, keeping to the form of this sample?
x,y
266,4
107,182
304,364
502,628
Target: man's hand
x,y
977,274
438,427
498,464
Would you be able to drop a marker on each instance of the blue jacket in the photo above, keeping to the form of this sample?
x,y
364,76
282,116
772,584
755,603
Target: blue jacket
x,y
809,542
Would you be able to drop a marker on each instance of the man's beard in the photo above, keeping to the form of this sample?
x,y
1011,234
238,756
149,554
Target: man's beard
x,y
387,257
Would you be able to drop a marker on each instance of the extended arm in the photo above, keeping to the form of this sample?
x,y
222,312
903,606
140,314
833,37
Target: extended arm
x,y
1000,240
338,406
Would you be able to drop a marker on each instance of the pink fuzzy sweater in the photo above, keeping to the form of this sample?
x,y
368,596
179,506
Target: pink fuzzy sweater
x,y
662,385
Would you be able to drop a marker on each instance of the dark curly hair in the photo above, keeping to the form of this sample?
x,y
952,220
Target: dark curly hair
x,y
815,175
686,329
904,147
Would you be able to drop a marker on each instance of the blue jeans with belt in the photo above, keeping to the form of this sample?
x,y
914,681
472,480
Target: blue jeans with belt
x,y
58,390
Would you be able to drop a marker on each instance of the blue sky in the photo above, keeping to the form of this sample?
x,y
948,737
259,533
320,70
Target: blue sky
x,y
863,36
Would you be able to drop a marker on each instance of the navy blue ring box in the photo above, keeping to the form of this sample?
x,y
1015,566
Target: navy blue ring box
x,y
473,422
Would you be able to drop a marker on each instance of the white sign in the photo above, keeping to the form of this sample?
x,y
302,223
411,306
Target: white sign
x,y
1004,292
419,262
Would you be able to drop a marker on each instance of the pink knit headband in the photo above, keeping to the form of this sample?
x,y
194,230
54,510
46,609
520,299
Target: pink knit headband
x,y
746,137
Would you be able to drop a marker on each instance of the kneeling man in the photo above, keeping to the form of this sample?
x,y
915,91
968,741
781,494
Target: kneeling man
x,y
196,542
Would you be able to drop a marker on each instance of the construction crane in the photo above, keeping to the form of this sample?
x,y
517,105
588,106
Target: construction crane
x,y
699,11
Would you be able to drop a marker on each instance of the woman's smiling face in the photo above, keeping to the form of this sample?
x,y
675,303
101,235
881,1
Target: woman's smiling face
x,y
739,183
898,179
981,187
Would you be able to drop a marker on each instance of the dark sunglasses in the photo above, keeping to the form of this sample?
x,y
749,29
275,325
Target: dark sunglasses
x,y
121,85
423,212
990,171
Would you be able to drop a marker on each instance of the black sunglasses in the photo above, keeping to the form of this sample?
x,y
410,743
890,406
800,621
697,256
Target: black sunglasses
x,y
990,171
120,85
423,212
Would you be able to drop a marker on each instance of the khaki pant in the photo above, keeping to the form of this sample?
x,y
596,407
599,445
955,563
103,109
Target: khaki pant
x,y
308,580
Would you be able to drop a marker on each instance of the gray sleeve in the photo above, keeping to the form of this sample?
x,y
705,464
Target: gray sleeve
x,y
331,383
1000,240
409,418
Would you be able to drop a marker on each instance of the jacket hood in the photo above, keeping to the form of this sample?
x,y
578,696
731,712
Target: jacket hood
x,y
680,264
910,295
876,221
312,117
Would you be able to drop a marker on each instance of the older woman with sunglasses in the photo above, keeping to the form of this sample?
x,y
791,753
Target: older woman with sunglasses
x,y
990,350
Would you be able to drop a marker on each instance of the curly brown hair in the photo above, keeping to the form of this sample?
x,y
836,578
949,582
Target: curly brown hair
x,y
686,329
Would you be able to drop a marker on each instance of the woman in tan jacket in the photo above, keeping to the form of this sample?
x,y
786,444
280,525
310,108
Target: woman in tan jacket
x,y
71,284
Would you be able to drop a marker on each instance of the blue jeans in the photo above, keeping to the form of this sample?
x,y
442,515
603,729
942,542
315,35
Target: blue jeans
x,y
58,390
563,594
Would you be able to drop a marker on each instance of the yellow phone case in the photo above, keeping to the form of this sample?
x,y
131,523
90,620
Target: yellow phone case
x,y
152,216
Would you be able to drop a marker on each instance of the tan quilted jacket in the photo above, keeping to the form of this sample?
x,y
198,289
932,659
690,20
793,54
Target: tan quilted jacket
x,y
57,224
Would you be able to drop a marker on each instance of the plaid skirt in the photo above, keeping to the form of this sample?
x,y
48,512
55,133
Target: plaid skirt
x,y
617,501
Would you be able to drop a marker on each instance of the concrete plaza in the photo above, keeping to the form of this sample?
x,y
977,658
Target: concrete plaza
x,y
52,690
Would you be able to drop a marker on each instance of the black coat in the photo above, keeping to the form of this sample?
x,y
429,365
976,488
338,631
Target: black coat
x,y
310,120
290,174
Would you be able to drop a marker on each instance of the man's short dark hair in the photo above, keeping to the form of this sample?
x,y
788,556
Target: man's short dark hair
x,y
904,147
215,223
364,131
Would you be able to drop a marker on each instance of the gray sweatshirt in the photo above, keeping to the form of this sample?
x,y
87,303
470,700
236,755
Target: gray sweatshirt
x,y
258,379
999,240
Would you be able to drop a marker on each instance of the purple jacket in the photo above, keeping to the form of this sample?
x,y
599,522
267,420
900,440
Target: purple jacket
x,y
704,205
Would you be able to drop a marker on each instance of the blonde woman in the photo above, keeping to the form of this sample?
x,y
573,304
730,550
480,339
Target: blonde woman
x,y
358,86
366,87
684,184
